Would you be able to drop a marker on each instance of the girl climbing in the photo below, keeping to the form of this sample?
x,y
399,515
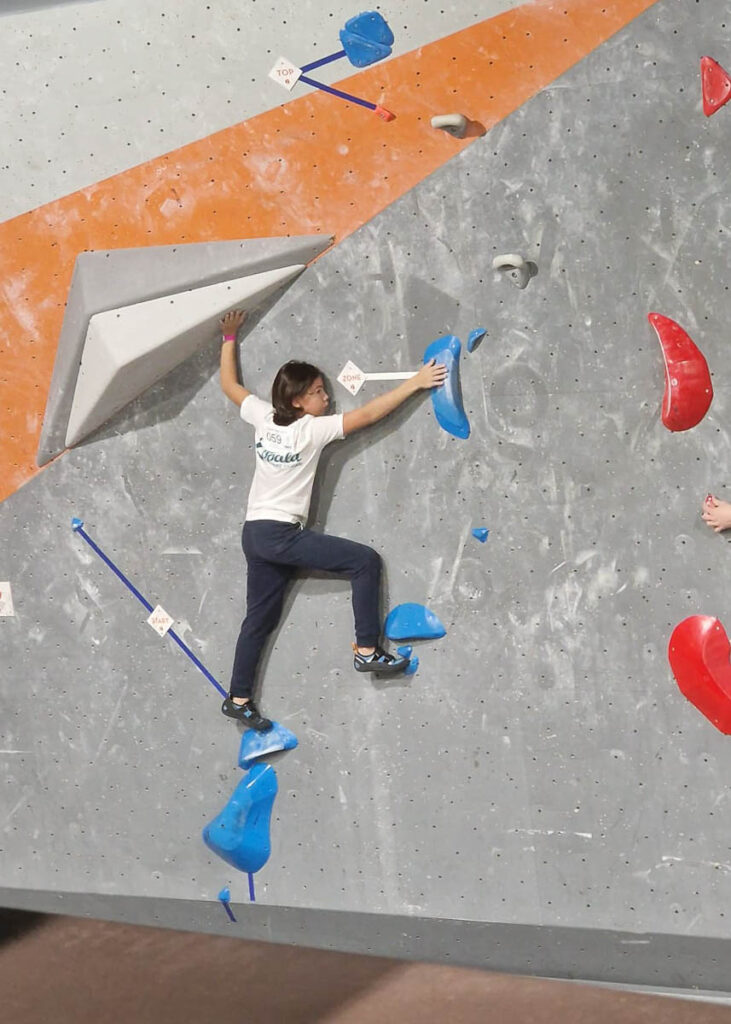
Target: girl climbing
x,y
290,434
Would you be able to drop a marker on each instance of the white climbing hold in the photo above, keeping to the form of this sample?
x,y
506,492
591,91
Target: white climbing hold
x,y
519,270
453,124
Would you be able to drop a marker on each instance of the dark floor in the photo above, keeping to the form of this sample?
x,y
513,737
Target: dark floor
x,y
63,970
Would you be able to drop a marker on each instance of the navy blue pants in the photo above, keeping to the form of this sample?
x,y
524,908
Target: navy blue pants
x,y
274,552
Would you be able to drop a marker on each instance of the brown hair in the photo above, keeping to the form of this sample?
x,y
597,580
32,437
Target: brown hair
x,y
292,380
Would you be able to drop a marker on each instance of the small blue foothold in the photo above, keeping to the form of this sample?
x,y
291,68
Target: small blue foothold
x,y
413,622
447,399
76,523
481,533
412,667
257,744
474,337
405,651
225,898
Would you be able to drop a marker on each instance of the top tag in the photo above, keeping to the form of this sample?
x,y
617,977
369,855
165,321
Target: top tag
x,y
286,73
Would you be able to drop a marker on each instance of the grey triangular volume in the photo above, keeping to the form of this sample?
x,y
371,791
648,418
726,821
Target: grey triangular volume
x,y
109,279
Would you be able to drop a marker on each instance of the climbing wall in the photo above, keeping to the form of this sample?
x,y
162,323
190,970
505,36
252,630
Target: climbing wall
x,y
539,797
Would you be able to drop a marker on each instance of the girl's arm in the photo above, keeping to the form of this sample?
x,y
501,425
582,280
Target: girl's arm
x,y
431,375
230,385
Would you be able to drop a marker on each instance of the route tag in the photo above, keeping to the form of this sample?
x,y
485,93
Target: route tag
x,y
285,73
6,600
160,620
351,378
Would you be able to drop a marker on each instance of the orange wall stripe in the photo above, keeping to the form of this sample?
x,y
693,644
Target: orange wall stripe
x,y
315,164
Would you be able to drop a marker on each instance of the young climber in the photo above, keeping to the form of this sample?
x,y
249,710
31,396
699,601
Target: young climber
x,y
716,513
290,434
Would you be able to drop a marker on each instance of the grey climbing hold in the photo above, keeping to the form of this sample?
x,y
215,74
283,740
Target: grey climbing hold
x,y
519,270
452,124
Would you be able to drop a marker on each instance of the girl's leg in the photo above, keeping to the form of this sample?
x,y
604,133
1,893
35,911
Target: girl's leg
x,y
265,587
362,565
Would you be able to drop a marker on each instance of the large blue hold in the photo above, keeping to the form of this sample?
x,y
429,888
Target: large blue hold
x,y
366,39
447,400
240,833
258,744
413,622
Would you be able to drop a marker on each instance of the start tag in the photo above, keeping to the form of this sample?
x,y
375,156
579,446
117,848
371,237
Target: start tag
x,y
160,620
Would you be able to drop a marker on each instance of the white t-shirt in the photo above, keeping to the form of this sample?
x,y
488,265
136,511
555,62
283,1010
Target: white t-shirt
x,y
286,461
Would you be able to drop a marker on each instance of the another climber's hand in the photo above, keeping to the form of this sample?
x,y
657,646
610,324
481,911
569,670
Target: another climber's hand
x,y
431,375
717,513
232,320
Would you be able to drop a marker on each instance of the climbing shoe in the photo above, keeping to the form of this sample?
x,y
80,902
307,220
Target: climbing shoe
x,y
380,661
247,713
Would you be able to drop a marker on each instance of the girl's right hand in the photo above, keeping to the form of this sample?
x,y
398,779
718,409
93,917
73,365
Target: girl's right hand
x,y
431,375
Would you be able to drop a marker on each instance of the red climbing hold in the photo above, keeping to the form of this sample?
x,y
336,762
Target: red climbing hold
x,y
699,657
716,86
688,388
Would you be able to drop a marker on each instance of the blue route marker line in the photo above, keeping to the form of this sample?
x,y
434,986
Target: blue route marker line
x,y
323,60
252,894
337,92
77,525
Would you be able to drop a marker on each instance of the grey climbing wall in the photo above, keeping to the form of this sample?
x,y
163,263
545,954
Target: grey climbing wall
x,y
539,797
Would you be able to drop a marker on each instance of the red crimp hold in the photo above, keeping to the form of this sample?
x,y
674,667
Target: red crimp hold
x,y
699,657
688,388
385,115
716,86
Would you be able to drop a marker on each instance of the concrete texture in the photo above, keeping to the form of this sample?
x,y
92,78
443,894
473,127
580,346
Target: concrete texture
x,y
539,797
106,280
130,348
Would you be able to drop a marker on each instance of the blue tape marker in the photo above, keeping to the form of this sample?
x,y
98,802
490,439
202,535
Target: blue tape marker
x,y
337,92
77,525
252,894
323,60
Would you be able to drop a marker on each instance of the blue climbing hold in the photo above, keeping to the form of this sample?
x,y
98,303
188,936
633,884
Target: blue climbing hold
x,y
474,337
240,833
481,533
447,400
76,523
405,652
258,744
413,622
366,39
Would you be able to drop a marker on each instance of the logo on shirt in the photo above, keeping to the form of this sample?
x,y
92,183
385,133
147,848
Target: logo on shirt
x,y
266,456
